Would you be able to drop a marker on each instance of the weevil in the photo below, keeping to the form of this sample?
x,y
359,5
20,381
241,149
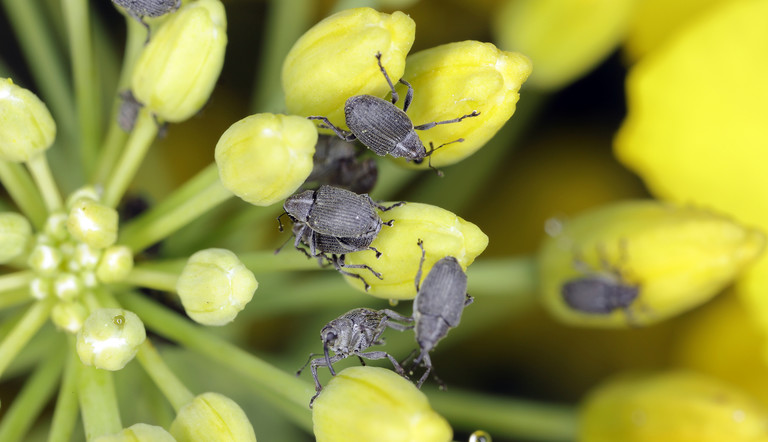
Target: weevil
x,y
350,335
338,163
438,305
128,112
383,127
600,291
138,9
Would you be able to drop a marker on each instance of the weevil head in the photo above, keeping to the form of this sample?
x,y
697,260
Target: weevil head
x,y
336,336
298,206
411,148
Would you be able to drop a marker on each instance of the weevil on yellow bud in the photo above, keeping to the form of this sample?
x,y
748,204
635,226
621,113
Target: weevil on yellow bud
x,y
336,59
264,158
176,72
375,404
675,257
93,223
15,235
443,233
110,338
215,286
673,407
138,433
26,126
564,38
456,79
212,416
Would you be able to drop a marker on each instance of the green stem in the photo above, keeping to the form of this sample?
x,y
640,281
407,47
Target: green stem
x,y
175,391
15,297
66,411
20,186
41,173
176,213
14,281
37,391
30,323
138,143
84,74
505,417
514,276
98,402
153,279
286,392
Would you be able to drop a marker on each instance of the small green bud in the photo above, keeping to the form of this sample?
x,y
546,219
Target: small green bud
x,y
55,228
264,158
15,235
84,257
116,263
88,192
110,338
93,223
41,288
69,316
138,433
212,416
67,286
215,286
176,72
45,259
26,126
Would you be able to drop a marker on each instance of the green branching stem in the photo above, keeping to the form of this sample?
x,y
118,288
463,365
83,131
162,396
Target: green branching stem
x,y
22,332
98,402
19,184
41,173
173,389
66,411
15,281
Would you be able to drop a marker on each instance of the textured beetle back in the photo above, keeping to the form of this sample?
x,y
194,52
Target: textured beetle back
x,y
377,123
343,214
443,292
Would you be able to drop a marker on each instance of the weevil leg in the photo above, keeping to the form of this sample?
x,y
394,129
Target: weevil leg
x,y
384,208
427,365
408,95
344,135
280,222
373,355
468,300
391,314
309,359
362,361
339,263
435,123
395,97
421,264
376,251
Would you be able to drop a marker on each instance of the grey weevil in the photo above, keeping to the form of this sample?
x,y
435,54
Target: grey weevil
x,y
129,111
384,128
438,305
338,163
350,335
138,9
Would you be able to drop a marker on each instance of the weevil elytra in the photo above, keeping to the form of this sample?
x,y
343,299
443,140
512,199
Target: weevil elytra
x,y
350,335
138,9
438,305
383,127
338,163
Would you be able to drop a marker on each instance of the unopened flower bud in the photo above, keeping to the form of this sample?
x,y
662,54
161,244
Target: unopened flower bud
x,y
212,416
115,264
88,192
676,406
176,72
67,286
336,59
138,433
456,79
41,288
69,316
56,227
667,258
443,233
264,158
375,404
93,223
215,286
45,259
26,126
15,235
564,38
110,338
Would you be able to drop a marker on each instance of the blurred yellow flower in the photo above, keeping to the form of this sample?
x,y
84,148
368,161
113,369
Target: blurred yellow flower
x,y
26,126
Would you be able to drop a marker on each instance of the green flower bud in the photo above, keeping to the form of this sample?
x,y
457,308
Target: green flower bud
x,y
110,338
671,407
15,235
115,264
88,192
215,286
67,286
93,223
335,60
676,257
69,316
444,234
177,70
264,158
56,228
375,404
84,257
26,126
41,288
45,259
212,416
455,79
138,433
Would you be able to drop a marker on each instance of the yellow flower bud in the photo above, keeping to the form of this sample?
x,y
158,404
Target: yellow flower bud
x,y
455,79
15,235
26,126
336,60
676,258
264,158
69,316
375,404
564,38
215,286
671,407
177,70
93,223
444,234
138,433
212,416
115,264
110,338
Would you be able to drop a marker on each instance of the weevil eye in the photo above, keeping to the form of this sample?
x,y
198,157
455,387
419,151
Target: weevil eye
x,y
418,161
330,337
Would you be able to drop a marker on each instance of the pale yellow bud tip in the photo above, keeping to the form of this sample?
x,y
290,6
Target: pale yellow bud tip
x,y
93,223
15,235
212,416
110,338
26,126
138,433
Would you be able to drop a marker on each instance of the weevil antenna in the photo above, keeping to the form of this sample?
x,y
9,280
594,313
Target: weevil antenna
x,y
328,337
